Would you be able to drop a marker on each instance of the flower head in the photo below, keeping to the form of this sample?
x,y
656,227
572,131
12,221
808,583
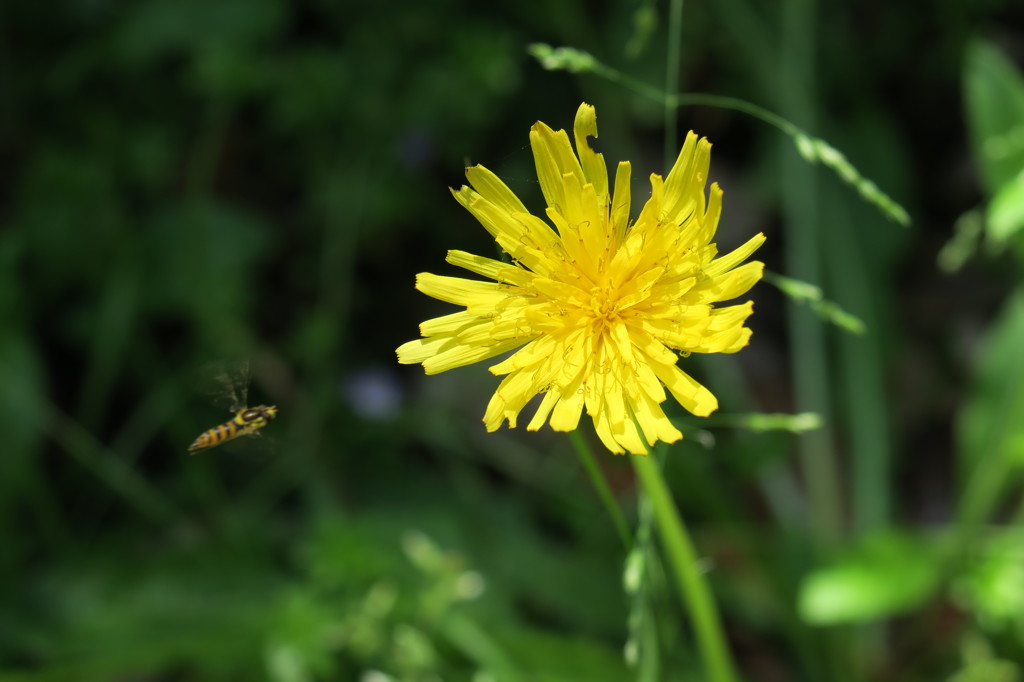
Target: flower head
x,y
600,308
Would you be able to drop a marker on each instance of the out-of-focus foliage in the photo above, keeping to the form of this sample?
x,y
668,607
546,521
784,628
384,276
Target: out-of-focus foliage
x,y
185,182
994,96
882,576
992,421
993,584
980,665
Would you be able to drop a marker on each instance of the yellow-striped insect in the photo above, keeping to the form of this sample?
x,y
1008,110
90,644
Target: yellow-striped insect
x,y
247,420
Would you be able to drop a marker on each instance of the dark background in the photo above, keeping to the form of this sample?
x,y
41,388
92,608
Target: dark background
x,y
187,186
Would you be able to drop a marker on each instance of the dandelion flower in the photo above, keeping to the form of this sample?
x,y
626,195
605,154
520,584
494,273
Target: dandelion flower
x,y
600,308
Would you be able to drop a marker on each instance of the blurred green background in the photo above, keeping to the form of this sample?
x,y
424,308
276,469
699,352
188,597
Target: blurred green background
x,y
186,184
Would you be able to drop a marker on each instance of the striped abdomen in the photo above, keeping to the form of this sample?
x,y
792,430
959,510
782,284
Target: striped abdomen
x,y
247,421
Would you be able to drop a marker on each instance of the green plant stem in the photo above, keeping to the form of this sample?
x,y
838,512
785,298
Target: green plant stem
x,y
696,595
861,369
804,234
803,261
812,149
1018,516
601,486
122,479
473,641
675,40
675,99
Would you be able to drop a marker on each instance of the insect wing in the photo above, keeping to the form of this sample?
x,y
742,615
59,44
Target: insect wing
x,y
226,384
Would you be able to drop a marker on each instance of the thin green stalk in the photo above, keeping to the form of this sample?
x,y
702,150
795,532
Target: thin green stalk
x,y
641,579
674,99
862,366
812,149
675,41
202,166
696,595
990,466
985,487
473,641
1018,516
144,498
586,456
751,38
804,261
993,466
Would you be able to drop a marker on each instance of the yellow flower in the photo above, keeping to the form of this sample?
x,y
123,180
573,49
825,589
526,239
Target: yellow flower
x,y
601,308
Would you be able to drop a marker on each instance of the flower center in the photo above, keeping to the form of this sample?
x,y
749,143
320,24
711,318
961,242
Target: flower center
x,y
604,304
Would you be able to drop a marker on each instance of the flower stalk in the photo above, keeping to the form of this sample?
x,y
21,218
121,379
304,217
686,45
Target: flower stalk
x,y
586,456
696,596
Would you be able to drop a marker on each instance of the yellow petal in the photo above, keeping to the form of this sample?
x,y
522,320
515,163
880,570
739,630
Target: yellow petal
x,y
529,241
459,290
684,186
566,414
652,420
530,355
494,190
414,352
488,267
732,284
554,158
513,393
705,223
602,426
734,257
543,410
461,355
621,202
593,312
594,169
685,389
626,434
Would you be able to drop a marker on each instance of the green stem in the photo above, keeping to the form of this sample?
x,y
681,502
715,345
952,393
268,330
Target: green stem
x,y
1018,516
474,641
736,104
107,466
674,99
695,593
675,39
803,259
812,149
601,486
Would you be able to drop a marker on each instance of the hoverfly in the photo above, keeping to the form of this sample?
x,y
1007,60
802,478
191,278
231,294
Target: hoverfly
x,y
234,386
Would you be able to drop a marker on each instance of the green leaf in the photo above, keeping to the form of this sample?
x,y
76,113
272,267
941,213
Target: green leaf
x,y
992,421
990,427
550,657
562,58
962,246
1005,215
300,646
21,413
981,664
994,95
992,585
885,574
